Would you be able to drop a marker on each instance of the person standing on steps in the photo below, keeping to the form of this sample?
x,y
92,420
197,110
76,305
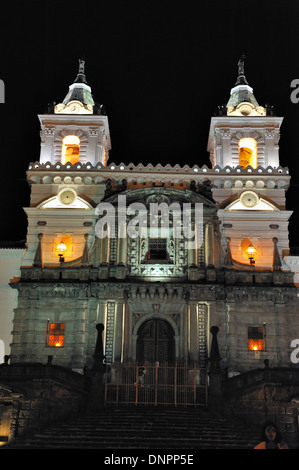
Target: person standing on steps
x,y
141,375
271,438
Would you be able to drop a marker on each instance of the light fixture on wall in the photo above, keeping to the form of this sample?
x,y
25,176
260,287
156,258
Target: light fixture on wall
x,y
61,249
251,252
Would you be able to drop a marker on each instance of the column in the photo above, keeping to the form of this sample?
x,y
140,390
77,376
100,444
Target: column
x,y
193,333
128,352
118,333
209,244
121,268
122,240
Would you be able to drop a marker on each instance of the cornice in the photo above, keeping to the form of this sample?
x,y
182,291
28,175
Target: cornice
x,y
131,169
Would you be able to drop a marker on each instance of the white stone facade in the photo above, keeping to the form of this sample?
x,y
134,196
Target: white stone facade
x,y
157,307
10,264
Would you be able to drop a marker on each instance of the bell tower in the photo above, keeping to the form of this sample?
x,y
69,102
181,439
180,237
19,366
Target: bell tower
x,y
250,191
245,133
77,129
75,144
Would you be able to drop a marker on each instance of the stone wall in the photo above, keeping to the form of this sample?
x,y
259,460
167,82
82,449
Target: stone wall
x,y
81,304
10,261
263,394
34,395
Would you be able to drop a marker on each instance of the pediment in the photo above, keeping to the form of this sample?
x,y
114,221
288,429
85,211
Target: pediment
x,y
161,195
55,202
249,201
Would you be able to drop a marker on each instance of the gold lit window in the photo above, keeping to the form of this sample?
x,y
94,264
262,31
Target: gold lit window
x,y
256,340
70,149
55,335
248,152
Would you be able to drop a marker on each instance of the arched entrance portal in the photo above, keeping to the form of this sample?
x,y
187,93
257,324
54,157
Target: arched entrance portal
x,y
156,342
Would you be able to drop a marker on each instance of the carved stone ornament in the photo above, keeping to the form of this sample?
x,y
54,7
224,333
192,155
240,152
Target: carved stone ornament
x,y
49,131
93,132
225,133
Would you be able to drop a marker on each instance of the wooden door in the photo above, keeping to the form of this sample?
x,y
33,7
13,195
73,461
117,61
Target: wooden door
x,y
155,343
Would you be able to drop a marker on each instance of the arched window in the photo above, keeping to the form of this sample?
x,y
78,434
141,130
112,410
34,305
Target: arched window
x,y
247,152
70,149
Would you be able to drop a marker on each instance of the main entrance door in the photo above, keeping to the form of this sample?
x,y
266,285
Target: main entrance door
x,y
155,343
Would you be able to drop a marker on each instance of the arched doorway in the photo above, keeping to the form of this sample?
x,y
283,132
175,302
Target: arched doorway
x,y
155,342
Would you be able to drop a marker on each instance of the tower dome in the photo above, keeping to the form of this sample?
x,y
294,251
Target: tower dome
x,y
242,101
79,98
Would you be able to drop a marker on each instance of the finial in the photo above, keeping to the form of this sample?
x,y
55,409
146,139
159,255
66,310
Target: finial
x,y
241,80
81,73
241,65
81,66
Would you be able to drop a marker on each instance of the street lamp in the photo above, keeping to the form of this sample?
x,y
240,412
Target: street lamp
x,y
61,249
251,252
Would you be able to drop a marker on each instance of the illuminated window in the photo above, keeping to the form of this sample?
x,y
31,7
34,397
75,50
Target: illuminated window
x,y
70,149
247,152
157,249
256,338
55,335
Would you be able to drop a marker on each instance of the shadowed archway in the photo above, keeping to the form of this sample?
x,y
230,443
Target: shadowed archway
x,y
156,342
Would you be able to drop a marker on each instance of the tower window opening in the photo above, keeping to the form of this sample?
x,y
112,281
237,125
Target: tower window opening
x,y
248,152
256,338
70,149
55,335
157,249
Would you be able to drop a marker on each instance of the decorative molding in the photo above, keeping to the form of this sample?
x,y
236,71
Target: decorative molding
x,y
49,132
270,133
121,169
225,133
93,132
110,320
202,320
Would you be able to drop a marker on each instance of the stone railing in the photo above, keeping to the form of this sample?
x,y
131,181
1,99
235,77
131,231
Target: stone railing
x,y
261,394
45,173
34,395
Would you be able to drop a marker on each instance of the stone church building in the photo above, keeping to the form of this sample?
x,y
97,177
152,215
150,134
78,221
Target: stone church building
x,y
98,251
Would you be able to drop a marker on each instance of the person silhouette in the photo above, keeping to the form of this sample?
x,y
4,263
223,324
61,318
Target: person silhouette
x,y
271,437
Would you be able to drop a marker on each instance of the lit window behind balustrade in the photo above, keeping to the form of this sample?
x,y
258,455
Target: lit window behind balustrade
x,y
256,338
55,335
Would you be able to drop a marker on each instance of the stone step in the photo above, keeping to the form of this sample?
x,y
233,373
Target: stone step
x,y
143,428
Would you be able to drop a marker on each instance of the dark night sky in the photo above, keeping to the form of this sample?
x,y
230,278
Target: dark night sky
x,y
160,67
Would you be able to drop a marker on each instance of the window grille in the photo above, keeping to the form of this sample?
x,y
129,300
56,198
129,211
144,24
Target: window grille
x,y
157,249
55,335
256,338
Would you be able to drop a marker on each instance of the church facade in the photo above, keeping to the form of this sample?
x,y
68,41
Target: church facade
x,y
157,254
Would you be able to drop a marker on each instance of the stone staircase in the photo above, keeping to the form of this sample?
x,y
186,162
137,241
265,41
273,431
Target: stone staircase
x,y
143,428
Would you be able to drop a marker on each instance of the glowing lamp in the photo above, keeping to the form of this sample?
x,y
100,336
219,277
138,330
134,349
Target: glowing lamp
x,y
61,249
251,252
